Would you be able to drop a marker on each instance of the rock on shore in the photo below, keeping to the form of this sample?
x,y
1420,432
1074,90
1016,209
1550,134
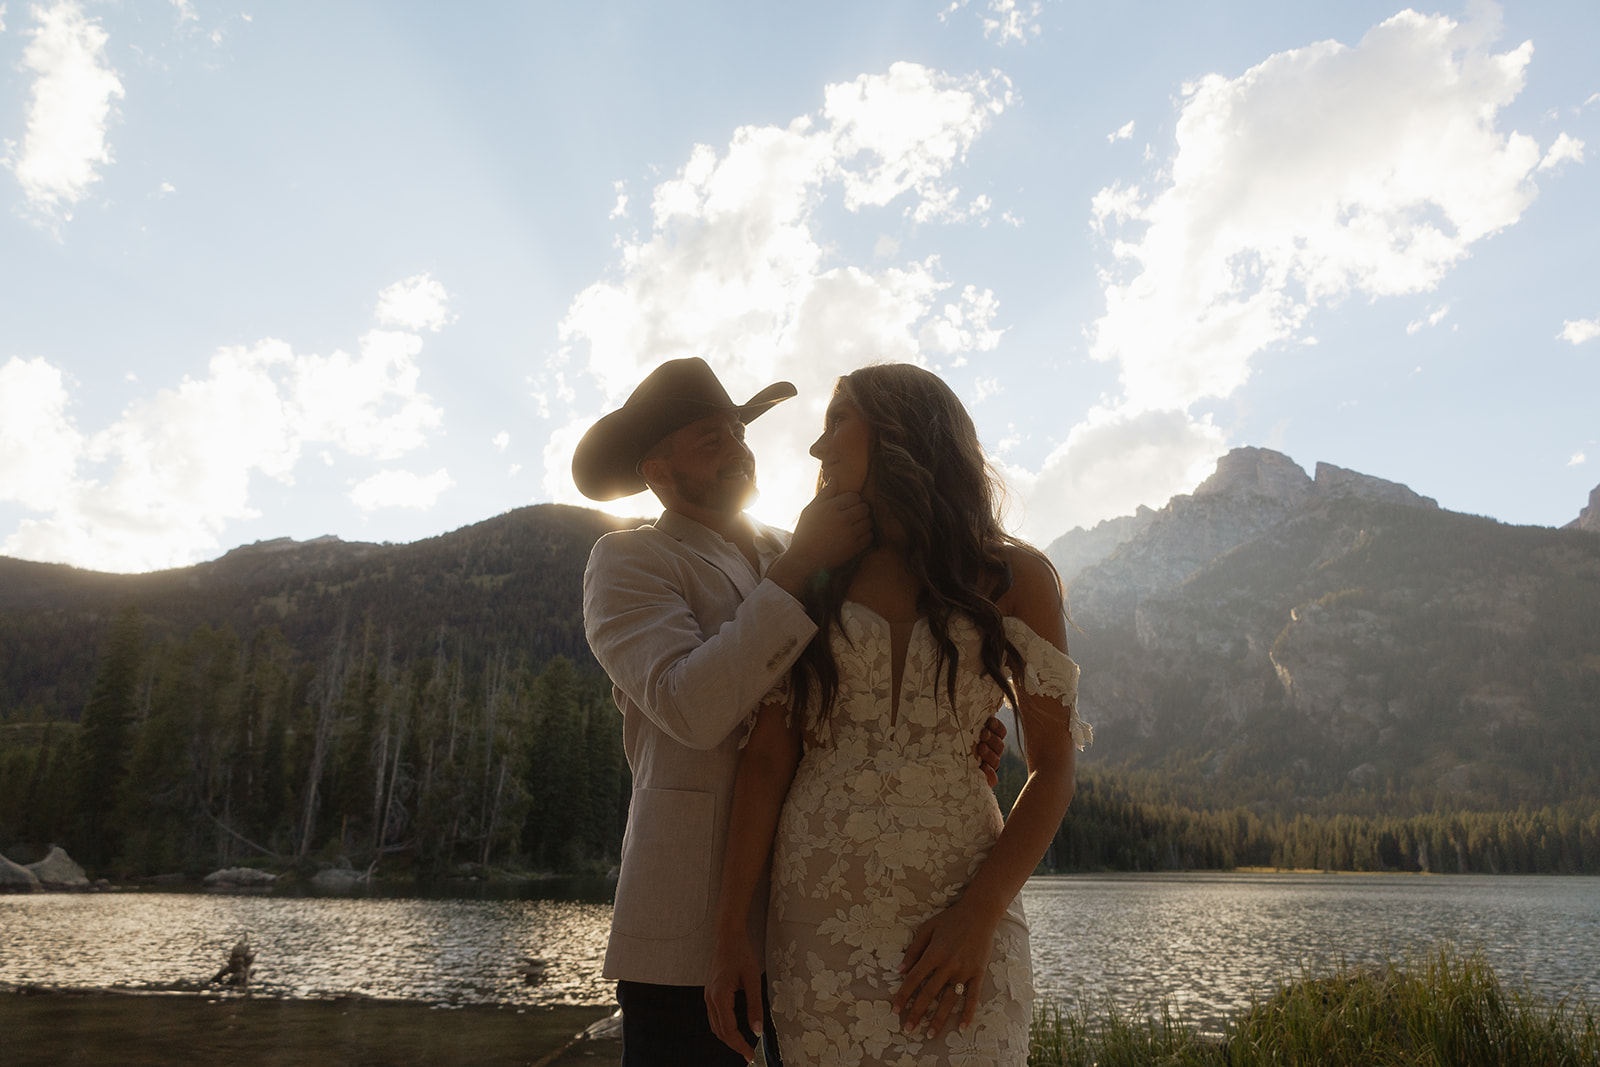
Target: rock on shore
x,y
14,877
59,871
239,878
338,880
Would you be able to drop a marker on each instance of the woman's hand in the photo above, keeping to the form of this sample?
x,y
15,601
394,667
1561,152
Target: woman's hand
x,y
734,969
948,951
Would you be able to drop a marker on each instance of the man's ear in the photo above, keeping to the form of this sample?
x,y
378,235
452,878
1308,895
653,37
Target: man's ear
x,y
655,473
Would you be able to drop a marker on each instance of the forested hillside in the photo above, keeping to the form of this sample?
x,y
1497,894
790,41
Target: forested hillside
x,y
509,583
434,702
1282,671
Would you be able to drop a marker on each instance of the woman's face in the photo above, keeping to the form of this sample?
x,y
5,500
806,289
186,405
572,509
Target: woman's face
x,y
844,446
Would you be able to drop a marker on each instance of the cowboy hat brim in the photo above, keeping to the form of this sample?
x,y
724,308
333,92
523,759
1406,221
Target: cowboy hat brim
x,y
605,465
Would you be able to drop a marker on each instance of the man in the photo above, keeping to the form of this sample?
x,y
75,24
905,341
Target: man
x,y
695,618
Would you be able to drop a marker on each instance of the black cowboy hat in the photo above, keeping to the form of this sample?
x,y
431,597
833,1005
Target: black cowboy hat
x,y
680,391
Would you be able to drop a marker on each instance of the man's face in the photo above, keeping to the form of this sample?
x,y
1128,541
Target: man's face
x,y
709,466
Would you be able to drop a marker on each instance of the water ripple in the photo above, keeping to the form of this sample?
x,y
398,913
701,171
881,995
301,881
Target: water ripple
x,y
1206,942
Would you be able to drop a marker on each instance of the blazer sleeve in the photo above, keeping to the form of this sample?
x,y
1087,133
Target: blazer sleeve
x,y
696,686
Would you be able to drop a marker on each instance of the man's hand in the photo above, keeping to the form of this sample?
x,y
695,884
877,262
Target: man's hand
x,y
833,529
991,746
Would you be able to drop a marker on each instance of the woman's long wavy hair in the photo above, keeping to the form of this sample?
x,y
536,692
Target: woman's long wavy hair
x,y
929,473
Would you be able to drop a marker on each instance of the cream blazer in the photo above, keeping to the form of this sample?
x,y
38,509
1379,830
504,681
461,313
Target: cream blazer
x,y
692,637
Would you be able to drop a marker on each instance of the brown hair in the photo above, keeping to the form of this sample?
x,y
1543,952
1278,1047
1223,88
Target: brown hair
x,y
930,473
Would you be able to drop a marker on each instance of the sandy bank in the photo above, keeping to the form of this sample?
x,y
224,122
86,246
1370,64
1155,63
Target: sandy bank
x,y
140,1030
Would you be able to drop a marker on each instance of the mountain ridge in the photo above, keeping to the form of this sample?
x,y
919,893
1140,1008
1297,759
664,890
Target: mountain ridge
x,y
1272,634
1379,641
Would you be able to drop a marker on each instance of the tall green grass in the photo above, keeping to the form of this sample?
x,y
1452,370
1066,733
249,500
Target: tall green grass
x,y
1446,1010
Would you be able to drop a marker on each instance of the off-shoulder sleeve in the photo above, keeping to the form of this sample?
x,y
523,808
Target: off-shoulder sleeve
x,y
778,694
1049,672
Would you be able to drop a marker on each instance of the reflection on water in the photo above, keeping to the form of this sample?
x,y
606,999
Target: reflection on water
x,y
442,951
1206,942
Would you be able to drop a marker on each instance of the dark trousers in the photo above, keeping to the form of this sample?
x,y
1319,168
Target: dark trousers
x,y
666,1026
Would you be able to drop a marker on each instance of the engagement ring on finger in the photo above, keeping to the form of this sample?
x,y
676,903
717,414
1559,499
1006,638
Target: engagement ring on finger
x,y
961,989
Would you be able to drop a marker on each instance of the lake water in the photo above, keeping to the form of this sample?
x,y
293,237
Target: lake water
x,y
1205,941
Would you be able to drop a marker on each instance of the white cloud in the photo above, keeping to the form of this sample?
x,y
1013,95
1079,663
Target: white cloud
x,y
501,440
1577,331
621,208
1565,150
157,487
732,271
185,10
167,189
2,18
1578,459
1433,318
368,404
964,326
1115,203
400,489
1321,171
1121,133
68,110
1005,20
902,131
1112,462
38,445
415,303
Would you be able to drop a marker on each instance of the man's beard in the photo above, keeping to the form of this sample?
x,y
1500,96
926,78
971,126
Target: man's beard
x,y
724,495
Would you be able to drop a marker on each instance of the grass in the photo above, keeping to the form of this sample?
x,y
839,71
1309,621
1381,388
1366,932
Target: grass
x,y
1448,1010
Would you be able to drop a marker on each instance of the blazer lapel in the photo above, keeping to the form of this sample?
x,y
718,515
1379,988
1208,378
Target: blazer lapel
x,y
713,548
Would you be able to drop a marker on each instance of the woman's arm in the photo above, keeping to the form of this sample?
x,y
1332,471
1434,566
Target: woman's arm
x,y
954,946
765,770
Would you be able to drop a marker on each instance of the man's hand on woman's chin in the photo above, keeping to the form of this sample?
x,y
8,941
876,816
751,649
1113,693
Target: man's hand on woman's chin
x,y
833,529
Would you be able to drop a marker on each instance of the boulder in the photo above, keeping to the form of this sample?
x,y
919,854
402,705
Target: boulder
x,y
338,880
14,877
239,878
58,871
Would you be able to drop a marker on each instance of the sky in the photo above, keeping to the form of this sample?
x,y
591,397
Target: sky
x,y
370,269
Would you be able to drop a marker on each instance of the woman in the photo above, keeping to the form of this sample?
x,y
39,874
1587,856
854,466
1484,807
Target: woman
x,y
894,932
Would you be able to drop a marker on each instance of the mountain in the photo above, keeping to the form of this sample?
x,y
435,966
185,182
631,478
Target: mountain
x,y
1272,637
511,583
1286,636
1589,517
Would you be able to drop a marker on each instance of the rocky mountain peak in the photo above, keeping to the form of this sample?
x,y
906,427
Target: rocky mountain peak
x,y
1337,481
1079,548
1589,517
1258,472
1252,490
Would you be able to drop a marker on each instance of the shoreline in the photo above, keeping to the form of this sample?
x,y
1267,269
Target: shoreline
x,y
52,1025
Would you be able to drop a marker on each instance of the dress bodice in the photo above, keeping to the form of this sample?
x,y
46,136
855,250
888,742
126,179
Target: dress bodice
x,y
867,717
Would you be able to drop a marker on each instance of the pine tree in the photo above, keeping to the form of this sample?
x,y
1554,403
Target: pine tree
x,y
108,721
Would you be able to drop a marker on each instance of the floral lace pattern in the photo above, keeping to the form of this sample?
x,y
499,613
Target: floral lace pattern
x,y
884,825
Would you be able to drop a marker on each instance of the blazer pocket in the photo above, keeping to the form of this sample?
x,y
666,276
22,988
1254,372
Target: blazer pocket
x,y
664,891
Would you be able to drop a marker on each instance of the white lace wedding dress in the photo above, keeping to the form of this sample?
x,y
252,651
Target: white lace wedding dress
x,y
885,824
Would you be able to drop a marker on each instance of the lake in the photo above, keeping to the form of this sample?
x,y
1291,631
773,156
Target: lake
x,y
1205,941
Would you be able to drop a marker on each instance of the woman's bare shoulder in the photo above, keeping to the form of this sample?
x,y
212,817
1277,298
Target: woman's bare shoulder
x,y
1035,587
